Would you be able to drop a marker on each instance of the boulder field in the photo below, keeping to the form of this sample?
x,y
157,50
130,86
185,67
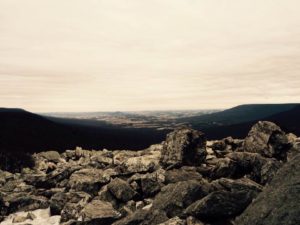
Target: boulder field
x,y
186,180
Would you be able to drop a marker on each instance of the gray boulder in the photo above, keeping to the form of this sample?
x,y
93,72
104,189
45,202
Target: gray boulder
x,y
184,147
279,203
121,190
182,174
220,205
100,213
89,180
267,139
52,156
173,198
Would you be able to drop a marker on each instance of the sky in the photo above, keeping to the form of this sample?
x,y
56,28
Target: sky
x,y
116,55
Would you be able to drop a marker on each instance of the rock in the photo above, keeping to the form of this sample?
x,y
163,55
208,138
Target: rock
x,y
54,178
121,190
219,145
173,198
51,156
24,202
148,184
220,205
99,212
103,157
30,216
259,169
174,221
105,195
88,180
19,219
128,208
184,147
139,164
243,184
267,139
279,203
59,200
193,221
182,174
143,217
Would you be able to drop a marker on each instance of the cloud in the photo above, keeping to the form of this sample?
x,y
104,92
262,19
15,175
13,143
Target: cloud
x,y
75,55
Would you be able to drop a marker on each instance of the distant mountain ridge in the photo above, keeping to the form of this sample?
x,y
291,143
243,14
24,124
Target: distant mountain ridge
x,y
238,114
22,131
288,120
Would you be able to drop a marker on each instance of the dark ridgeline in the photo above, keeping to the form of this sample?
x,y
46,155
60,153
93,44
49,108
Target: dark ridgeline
x,y
22,131
288,119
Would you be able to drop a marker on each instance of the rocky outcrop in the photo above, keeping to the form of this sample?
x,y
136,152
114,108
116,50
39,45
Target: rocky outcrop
x,y
267,139
99,212
279,203
184,147
185,180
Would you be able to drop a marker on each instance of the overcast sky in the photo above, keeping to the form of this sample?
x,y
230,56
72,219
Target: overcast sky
x,y
107,55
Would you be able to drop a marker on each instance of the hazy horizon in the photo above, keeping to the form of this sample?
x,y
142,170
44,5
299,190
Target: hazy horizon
x,y
138,55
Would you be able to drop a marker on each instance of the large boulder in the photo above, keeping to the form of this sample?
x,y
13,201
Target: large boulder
x,y
220,205
148,184
100,213
121,190
52,156
184,147
69,204
89,180
174,221
173,198
182,174
243,184
257,167
267,139
144,217
238,164
279,203
139,162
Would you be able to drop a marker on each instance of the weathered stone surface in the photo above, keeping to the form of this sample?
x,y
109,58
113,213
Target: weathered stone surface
x,y
260,169
279,203
148,184
24,202
184,147
19,219
139,164
143,217
220,205
267,139
173,198
54,178
182,174
59,200
121,190
99,212
174,221
243,184
52,156
88,180
193,221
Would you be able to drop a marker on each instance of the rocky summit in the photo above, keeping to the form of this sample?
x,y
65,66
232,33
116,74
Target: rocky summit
x,y
186,180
